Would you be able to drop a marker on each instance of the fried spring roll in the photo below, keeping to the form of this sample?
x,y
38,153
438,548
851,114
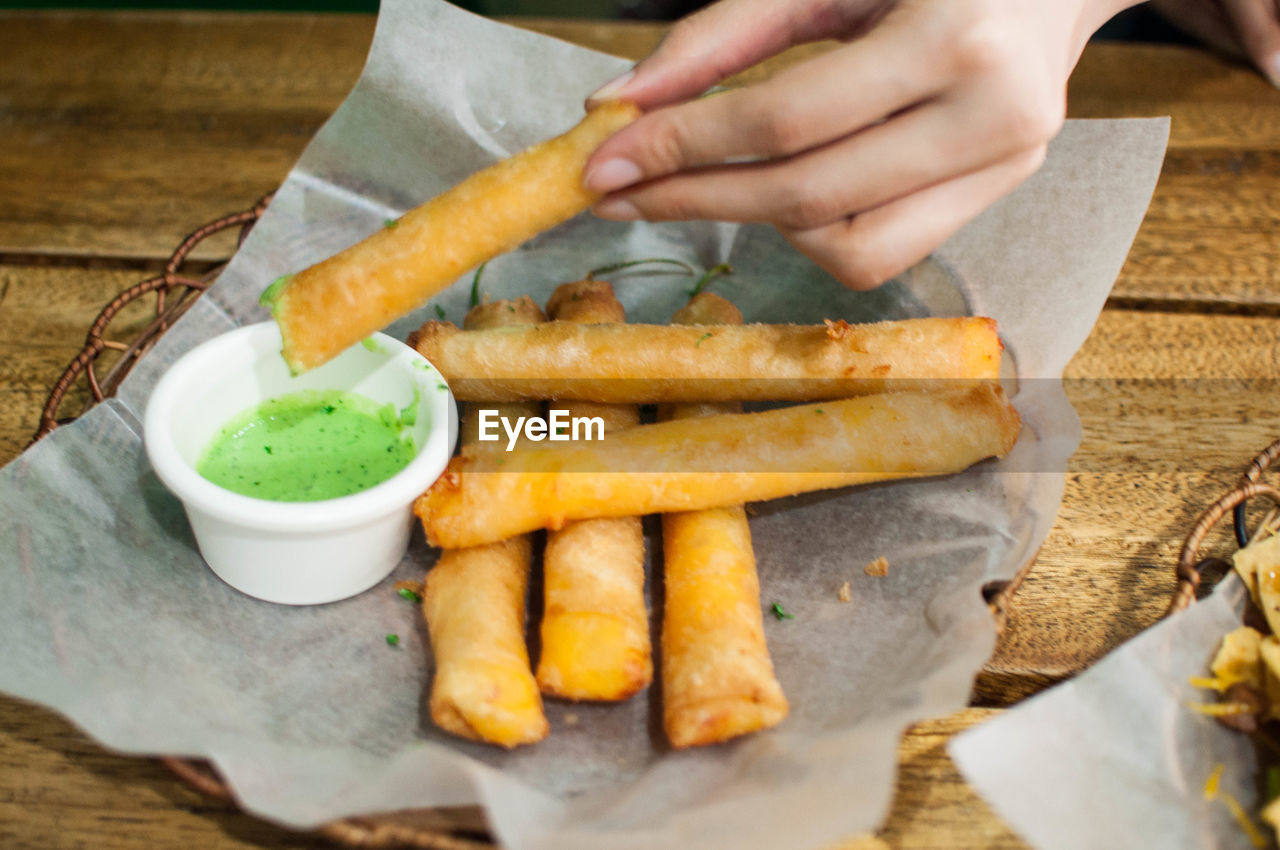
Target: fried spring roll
x,y
681,465
717,677
326,308
474,602
595,626
663,363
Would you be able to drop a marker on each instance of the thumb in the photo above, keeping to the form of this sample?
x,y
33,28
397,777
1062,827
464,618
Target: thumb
x,y
718,42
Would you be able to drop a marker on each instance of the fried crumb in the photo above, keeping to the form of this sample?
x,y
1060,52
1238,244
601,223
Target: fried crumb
x,y
750,509
836,329
879,567
571,720
845,594
412,585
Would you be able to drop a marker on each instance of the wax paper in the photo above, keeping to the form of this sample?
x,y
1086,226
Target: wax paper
x,y
1120,743
108,615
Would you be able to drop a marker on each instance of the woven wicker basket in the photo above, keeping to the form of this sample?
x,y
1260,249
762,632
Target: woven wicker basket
x,y
458,828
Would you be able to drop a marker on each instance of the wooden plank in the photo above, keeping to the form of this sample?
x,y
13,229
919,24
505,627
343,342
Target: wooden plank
x,y
1166,431
125,131
1214,102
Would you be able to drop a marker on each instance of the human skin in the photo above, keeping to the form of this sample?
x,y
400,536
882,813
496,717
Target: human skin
x,y
867,157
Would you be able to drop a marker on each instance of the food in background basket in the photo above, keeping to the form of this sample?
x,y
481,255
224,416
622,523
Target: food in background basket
x,y
1246,675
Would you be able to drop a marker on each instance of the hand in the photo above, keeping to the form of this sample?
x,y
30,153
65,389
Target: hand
x,y
1248,28
865,158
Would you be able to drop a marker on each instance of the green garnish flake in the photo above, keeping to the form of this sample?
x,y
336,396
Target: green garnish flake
x,y
329,408
393,639
818,411
442,387
475,286
272,293
267,449
709,275
779,613
408,595
439,312
391,222
1273,782
706,335
370,344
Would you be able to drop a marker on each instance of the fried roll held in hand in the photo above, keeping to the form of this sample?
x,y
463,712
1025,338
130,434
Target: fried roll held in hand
x,y
595,625
717,677
324,309
673,363
714,461
474,603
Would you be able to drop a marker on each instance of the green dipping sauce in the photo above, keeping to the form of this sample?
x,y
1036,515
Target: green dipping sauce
x,y
310,445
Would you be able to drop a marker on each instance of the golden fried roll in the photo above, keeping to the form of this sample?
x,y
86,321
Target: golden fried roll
x,y
595,626
665,363
713,461
336,303
474,602
717,677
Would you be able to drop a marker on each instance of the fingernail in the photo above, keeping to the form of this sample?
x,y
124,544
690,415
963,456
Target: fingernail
x,y
611,175
611,89
1273,69
616,209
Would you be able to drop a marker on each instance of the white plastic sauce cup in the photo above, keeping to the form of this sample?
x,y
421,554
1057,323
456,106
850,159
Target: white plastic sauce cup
x,y
296,553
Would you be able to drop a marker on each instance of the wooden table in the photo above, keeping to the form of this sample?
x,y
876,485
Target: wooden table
x,y
119,133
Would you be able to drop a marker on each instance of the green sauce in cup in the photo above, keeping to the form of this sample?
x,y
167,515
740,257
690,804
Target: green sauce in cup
x,y
309,446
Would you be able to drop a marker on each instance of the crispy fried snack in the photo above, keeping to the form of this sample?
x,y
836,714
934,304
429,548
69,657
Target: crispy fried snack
x,y
487,495
474,602
661,363
335,303
717,677
595,628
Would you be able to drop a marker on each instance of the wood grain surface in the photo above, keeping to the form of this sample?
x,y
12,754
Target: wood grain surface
x,y
124,131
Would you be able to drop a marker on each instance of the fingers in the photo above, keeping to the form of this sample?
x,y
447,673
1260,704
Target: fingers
x,y
1258,26
723,39
868,249
927,145
806,106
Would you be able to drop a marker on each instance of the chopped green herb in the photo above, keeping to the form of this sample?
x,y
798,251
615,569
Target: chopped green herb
x,y
706,335
511,307
329,408
442,386
501,461
708,276
562,430
408,595
475,286
393,639
1273,782
391,222
268,449
439,312
370,344
780,614
818,411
